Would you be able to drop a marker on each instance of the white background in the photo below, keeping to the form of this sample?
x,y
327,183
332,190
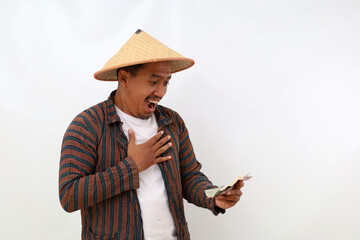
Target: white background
x,y
274,91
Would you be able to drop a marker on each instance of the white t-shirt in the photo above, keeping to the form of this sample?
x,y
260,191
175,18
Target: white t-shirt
x,y
158,222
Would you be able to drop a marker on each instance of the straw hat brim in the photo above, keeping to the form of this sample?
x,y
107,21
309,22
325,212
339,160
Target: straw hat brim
x,y
176,65
141,48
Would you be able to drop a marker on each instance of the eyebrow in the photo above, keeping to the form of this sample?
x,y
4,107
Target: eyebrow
x,y
159,76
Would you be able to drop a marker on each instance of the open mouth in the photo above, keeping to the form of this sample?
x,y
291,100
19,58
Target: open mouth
x,y
151,104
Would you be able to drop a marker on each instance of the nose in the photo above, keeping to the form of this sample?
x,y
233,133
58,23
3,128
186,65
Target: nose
x,y
160,91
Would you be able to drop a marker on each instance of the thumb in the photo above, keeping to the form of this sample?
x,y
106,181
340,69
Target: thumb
x,y
239,184
131,136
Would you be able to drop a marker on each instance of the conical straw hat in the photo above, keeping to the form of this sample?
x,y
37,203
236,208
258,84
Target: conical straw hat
x,y
142,48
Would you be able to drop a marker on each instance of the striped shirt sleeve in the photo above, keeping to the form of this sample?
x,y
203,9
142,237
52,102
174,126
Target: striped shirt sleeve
x,y
194,182
80,185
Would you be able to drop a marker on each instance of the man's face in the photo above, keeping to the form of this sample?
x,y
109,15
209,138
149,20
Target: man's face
x,y
141,93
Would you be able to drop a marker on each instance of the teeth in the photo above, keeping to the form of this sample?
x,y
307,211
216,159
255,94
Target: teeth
x,y
155,102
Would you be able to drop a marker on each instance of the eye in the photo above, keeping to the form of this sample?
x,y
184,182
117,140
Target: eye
x,y
154,83
166,83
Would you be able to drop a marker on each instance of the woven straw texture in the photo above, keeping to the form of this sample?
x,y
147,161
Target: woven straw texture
x,y
142,48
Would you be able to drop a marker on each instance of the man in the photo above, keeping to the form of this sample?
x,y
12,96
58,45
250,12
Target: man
x,y
127,162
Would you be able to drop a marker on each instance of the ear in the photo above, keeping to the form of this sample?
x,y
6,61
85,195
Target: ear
x,y
123,78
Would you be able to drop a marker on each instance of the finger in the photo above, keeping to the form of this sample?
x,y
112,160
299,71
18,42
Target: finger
x,y
221,204
161,142
231,192
224,204
239,184
162,159
155,138
131,136
163,149
232,198
235,192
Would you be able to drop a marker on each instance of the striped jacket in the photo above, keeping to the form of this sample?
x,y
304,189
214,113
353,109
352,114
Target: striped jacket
x,y
97,177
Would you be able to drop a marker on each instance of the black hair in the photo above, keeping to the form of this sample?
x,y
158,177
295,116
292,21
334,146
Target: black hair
x,y
133,69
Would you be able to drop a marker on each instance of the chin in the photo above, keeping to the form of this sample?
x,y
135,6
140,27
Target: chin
x,y
144,117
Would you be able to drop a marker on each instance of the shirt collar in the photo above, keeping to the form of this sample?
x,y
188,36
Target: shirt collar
x,y
162,117
112,116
